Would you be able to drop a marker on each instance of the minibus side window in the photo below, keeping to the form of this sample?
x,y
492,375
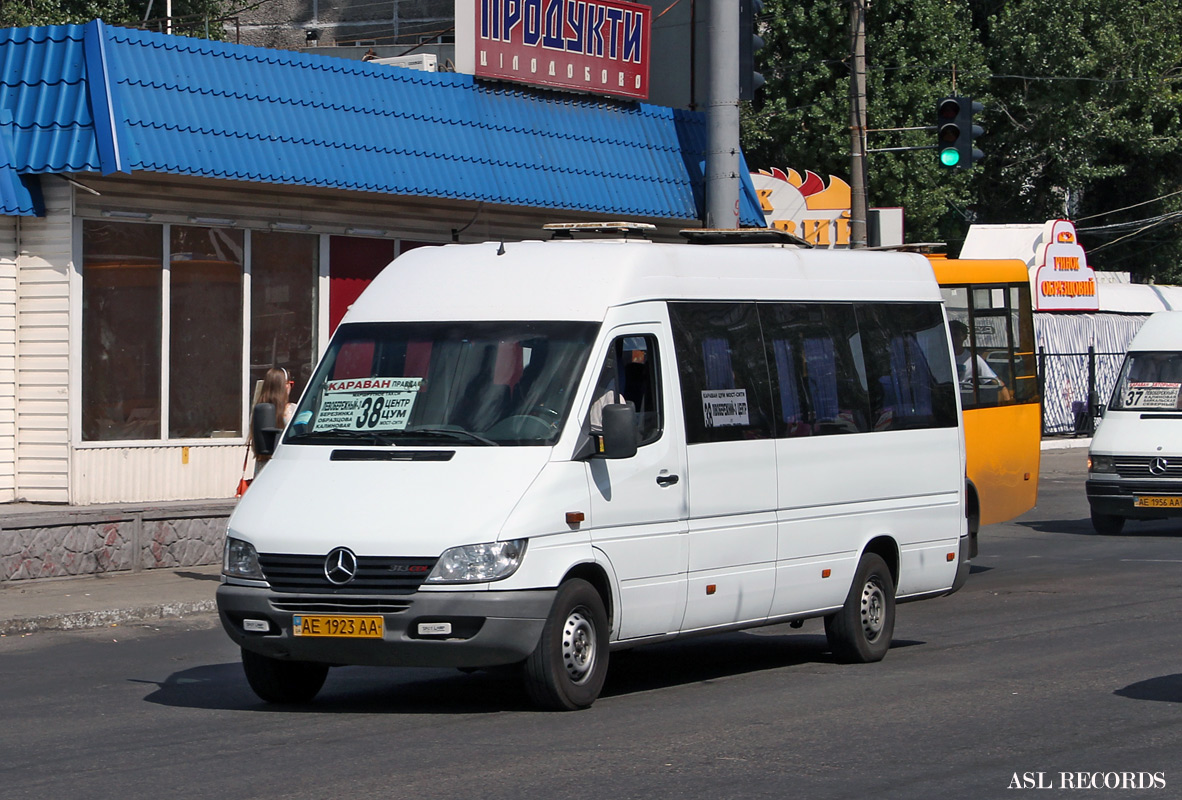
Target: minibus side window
x,y
1025,383
723,371
993,341
630,374
901,344
814,350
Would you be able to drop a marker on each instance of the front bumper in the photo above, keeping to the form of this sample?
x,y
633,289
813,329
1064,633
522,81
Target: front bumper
x,y
488,628
1116,497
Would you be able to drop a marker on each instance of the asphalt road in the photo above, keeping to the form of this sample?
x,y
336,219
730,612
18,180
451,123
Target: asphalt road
x,y
1063,654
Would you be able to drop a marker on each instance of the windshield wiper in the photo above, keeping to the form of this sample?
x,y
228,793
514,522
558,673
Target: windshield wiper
x,y
450,433
347,433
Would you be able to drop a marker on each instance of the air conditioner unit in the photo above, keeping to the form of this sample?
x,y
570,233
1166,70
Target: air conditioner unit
x,y
424,62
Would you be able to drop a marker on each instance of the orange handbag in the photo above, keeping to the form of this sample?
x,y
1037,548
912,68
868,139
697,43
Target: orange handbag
x,y
244,482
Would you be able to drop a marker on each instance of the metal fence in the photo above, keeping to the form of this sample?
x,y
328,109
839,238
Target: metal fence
x,y
1073,386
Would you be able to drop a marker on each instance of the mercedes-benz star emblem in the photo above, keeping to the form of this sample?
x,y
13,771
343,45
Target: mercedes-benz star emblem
x,y
340,566
1158,465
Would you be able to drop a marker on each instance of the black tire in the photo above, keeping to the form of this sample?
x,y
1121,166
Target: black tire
x,y
283,681
1107,524
567,669
861,631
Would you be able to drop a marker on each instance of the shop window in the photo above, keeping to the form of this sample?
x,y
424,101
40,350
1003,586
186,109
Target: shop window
x,y
205,332
284,269
126,349
122,285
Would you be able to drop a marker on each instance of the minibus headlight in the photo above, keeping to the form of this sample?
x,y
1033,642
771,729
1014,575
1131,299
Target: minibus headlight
x,y
1101,464
241,560
477,563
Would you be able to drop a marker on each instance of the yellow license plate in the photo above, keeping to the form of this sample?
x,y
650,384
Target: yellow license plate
x,y
348,627
1157,502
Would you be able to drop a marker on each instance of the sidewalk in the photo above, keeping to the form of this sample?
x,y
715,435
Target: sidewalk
x,y
108,599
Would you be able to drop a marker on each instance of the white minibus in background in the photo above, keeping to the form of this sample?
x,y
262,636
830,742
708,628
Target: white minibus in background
x,y
538,453
1135,458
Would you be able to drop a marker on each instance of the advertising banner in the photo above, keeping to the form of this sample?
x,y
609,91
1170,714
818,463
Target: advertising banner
x,y
594,46
1063,281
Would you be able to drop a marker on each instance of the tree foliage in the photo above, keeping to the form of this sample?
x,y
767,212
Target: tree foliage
x,y
805,119
1082,114
1088,112
190,17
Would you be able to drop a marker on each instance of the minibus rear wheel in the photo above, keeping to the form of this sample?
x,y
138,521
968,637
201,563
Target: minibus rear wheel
x,y
567,669
861,631
283,681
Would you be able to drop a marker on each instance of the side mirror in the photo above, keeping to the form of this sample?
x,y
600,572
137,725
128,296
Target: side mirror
x,y
264,432
1100,409
620,435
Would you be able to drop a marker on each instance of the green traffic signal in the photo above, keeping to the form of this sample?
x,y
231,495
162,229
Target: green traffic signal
x,y
955,132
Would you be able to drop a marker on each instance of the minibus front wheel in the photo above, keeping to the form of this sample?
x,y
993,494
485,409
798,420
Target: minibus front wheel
x,y
1107,524
567,669
283,681
861,631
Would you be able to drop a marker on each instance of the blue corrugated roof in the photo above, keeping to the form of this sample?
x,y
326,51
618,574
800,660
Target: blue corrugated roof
x,y
18,196
93,98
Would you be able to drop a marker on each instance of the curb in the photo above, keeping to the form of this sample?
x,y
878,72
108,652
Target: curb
x,y
1065,444
105,618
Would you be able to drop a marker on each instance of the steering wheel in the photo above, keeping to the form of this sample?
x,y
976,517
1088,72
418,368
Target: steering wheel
x,y
545,414
523,426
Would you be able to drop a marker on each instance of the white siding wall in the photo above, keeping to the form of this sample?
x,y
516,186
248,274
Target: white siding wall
x,y
8,234
43,333
155,474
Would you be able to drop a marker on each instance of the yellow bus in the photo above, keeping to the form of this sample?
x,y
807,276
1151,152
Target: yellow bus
x,y
992,327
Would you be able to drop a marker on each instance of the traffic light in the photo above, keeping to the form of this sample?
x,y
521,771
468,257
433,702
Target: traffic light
x,y
955,132
750,81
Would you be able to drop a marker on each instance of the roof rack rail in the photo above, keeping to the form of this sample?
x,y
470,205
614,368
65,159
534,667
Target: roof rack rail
x,y
742,236
912,247
568,230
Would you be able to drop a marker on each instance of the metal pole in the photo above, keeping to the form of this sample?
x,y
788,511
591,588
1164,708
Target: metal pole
x,y
1042,385
722,117
1092,404
858,202
693,56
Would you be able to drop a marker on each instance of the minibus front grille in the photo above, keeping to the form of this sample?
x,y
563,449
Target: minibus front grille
x,y
374,575
1149,467
341,605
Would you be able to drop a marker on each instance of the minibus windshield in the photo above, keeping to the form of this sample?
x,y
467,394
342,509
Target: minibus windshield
x,y
1149,380
444,383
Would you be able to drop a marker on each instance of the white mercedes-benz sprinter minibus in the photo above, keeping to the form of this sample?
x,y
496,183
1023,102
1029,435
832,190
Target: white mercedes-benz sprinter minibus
x,y
1135,459
536,453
